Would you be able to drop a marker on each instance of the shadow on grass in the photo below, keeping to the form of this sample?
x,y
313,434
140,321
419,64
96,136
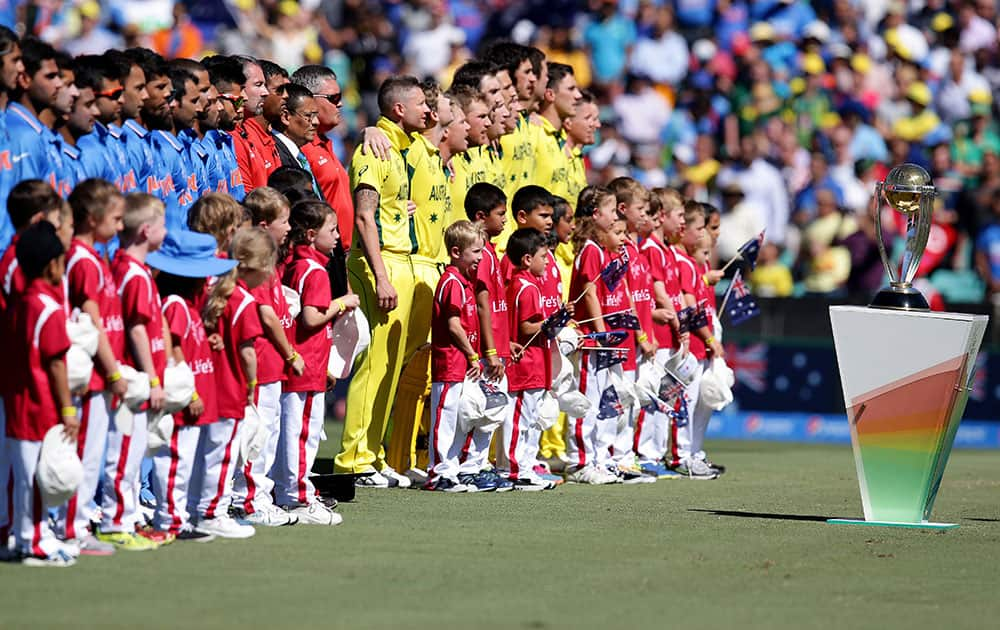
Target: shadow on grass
x,y
766,515
982,520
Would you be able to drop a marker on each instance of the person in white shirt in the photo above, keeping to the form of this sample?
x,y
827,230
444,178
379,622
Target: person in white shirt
x,y
762,186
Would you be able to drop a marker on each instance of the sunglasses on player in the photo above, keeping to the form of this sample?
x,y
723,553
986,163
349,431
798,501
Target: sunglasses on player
x,y
114,95
237,101
333,99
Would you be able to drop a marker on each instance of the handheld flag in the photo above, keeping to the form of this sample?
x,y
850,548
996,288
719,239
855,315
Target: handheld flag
x,y
611,406
751,249
741,306
556,322
692,318
494,397
680,412
613,338
627,321
615,271
608,358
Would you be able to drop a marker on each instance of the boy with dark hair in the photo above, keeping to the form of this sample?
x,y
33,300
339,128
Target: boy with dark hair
x,y
41,397
530,377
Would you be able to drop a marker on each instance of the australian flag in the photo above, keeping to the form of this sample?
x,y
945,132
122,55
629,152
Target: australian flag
x,y
751,249
613,338
555,322
680,411
611,406
741,306
615,271
626,320
692,318
494,397
607,358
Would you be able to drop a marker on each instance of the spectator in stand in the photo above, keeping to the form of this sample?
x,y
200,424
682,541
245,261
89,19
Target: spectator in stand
x,y
662,55
609,38
562,49
827,263
771,278
182,40
806,203
762,185
988,252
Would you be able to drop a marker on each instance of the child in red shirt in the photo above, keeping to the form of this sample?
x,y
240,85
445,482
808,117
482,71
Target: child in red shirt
x,y
144,229
454,353
276,356
231,312
30,201
184,259
97,215
530,377
303,403
595,216
486,207
40,397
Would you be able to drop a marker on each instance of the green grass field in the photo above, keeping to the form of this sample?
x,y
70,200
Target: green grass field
x,y
750,550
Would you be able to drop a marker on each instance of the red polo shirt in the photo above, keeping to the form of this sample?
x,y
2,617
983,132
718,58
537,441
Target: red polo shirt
x,y
333,182
255,153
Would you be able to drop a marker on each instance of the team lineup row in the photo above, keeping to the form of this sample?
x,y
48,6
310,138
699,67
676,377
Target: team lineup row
x,y
509,123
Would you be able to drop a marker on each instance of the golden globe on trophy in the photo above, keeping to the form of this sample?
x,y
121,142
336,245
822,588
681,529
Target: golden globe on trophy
x,y
908,190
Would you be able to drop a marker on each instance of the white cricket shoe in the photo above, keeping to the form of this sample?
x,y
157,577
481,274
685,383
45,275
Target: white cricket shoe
x,y
224,527
395,479
316,514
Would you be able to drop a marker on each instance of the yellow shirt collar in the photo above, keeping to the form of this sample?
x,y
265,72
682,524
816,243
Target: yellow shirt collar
x,y
397,137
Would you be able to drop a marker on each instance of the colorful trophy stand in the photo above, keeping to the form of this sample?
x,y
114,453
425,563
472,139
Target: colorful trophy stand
x,y
906,377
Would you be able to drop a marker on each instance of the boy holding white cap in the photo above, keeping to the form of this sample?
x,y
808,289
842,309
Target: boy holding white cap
x,y
454,353
41,397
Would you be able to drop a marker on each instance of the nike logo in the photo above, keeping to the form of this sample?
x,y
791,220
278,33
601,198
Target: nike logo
x,y
17,158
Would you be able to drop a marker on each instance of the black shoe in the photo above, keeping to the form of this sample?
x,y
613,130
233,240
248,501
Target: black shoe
x,y
190,534
329,502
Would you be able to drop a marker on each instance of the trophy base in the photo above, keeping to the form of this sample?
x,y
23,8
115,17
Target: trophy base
x,y
901,299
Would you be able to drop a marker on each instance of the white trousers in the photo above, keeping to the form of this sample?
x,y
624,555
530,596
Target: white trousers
x,y
29,518
445,444
519,441
683,438
582,443
476,450
173,465
622,449
95,417
301,429
652,425
214,464
700,417
253,485
119,504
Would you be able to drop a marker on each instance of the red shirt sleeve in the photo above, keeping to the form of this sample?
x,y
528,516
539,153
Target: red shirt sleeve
x,y
688,277
137,307
54,340
84,283
657,264
246,326
316,289
529,304
177,320
451,298
591,264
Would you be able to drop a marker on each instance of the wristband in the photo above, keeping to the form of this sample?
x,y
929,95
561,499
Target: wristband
x,y
710,340
292,357
492,352
340,304
115,376
154,381
68,412
252,384
642,338
473,357
195,397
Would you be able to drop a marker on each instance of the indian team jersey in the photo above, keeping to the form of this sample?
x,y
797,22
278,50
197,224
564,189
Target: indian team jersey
x,y
396,232
169,153
469,169
429,190
518,155
551,162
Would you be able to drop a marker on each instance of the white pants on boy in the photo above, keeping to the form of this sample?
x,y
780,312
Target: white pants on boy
x,y
214,464
684,438
29,518
518,445
95,418
582,433
652,428
445,442
119,505
173,466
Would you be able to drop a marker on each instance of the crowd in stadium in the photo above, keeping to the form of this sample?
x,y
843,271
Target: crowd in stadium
x,y
532,228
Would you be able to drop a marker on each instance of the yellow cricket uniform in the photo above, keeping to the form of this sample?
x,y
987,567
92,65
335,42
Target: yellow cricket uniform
x,y
492,159
469,169
376,375
518,155
576,177
551,161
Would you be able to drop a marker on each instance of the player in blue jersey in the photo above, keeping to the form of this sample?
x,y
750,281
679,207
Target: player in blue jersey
x,y
226,74
10,68
34,153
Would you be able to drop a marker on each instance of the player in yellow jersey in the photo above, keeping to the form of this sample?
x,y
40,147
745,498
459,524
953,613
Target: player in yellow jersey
x,y
429,191
381,273
558,104
581,129
468,167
